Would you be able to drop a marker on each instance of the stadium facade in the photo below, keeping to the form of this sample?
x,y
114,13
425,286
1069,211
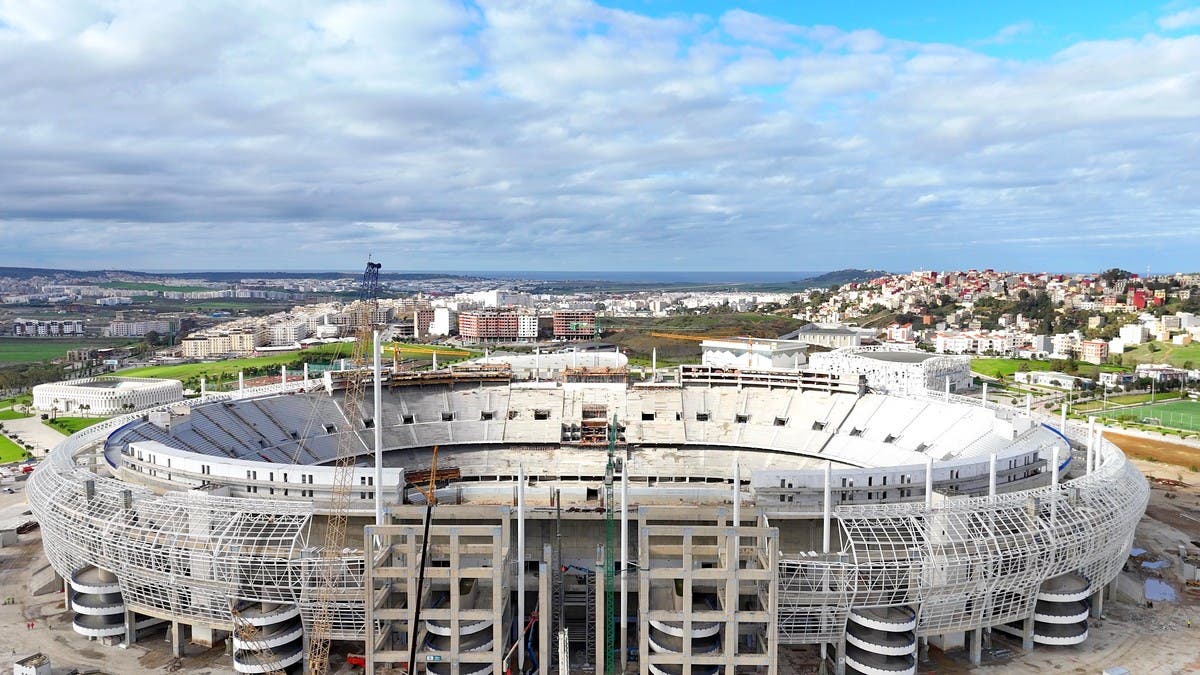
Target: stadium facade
x,y
756,510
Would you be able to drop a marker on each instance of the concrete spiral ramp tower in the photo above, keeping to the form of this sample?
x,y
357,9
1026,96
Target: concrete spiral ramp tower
x,y
1061,614
881,641
280,629
96,599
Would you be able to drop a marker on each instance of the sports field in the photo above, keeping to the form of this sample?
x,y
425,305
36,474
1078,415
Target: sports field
x,y
27,350
1183,415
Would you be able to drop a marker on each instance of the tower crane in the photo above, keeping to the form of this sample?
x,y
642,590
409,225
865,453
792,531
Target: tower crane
x,y
364,316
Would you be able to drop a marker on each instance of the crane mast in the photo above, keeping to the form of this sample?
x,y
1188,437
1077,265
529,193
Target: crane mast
x,y
364,314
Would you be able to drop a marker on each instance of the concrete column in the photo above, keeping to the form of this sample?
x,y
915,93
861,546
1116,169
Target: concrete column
x,y
947,389
203,388
435,360
241,380
1027,634
1098,603
177,639
623,612
828,510
992,476
1091,443
928,481
1028,404
1063,424
984,396
130,627
975,637
376,359
521,559
544,617
282,374
66,584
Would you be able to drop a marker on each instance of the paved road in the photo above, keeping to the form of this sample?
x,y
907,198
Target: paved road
x,y
31,430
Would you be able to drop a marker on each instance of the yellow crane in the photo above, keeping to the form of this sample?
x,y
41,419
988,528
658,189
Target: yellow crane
x,y
320,632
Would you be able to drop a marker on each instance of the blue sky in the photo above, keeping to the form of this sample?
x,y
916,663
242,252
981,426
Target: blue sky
x,y
571,135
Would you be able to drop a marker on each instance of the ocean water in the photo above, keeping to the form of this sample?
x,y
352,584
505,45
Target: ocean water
x,y
649,276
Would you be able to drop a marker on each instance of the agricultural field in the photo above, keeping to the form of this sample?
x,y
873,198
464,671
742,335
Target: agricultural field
x,y
10,451
28,350
1184,415
70,425
1164,352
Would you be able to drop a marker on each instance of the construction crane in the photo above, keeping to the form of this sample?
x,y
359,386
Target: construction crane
x,y
430,498
610,597
364,315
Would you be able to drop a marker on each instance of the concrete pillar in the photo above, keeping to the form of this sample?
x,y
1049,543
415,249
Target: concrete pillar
x,y
828,510
928,481
521,559
130,627
66,584
377,413
282,374
241,380
1091,443
1028,404
203,388
975,638
1063,424
1027,634
176,639
1098,603
544,617
984,396
992,476
306,362
947,389
623,609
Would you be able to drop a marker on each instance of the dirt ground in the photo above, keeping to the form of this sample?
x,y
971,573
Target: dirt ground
x,y
1155,450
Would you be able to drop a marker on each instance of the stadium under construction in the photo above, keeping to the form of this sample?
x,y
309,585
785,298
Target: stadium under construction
x,y
693,523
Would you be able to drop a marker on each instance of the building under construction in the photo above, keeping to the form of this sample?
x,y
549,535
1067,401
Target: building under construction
x,y
694,523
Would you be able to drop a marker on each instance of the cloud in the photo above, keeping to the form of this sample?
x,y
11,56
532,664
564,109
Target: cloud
x,y
1187,18
570,135
1009,33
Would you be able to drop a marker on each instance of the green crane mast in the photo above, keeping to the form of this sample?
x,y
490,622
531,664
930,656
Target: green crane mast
x,y
610,598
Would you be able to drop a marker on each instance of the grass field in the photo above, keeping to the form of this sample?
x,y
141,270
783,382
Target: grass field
x,y
1175,355
10,451
1183,415
1124,399
1005,367
10,414
145,286
26,350
69,425
23,399
216,370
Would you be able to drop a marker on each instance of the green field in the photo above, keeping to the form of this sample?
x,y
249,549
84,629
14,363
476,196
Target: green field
x,y
26,350
216,370
69,425
1175,355
1124,399
10,414
10,451
145,286
23,399
1005,367
1183,415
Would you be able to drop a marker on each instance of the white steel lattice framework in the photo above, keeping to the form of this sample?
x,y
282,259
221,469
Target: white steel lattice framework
x,y
965,563
962,563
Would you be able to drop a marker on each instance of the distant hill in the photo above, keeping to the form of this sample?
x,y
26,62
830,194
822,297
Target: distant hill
x,y
839,277
28,272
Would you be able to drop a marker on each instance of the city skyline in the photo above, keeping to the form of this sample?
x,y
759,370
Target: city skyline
x,y
497,136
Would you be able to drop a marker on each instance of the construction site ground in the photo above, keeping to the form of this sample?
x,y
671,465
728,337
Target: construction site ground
x,y
1143,638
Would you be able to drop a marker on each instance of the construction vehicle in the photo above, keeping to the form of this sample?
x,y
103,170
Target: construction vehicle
x,y
365,312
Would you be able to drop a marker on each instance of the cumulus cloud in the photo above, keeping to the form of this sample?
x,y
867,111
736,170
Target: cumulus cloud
x,y
1179,20
567,134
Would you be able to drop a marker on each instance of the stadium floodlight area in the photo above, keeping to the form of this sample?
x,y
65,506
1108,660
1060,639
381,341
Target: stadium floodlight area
x,y
891,518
